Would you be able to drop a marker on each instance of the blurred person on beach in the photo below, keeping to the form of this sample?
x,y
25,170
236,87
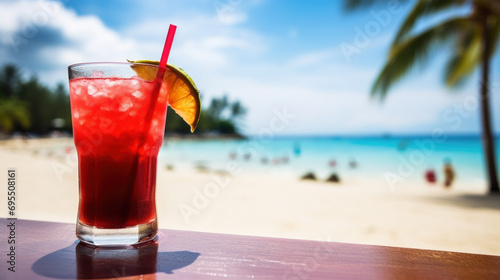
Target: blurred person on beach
x,y
334,176
449,174
353,163
430,176
332,163
264,160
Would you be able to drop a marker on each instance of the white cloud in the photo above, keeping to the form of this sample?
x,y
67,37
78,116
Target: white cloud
x,y
202,41
313,58
77,38
333,112
330,96
232,18
327,94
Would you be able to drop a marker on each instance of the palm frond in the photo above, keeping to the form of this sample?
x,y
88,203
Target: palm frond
x,y
466,57
407,53
21,115
5,122
13,111
423,8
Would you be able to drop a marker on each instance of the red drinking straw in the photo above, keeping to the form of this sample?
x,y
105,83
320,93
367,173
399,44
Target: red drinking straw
x,y
167,46
149,115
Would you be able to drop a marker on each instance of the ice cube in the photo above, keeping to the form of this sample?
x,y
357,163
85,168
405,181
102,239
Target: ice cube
x,y
138,94
92,90
103,92
126,104
155,126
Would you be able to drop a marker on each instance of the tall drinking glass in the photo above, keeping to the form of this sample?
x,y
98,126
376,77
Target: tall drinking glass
x,y
118,126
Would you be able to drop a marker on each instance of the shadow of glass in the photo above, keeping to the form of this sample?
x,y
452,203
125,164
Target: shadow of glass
x,y
82,261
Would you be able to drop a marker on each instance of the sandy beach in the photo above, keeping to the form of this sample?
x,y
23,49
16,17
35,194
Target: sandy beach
x,y
414,215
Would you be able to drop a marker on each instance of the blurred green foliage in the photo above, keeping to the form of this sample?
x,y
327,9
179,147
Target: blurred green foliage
x,y
222,116
29,106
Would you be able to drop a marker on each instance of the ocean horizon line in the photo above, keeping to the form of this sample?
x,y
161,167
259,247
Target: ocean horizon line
x,y
474,136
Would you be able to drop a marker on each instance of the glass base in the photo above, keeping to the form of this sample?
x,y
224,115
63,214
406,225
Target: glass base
x,y
117,237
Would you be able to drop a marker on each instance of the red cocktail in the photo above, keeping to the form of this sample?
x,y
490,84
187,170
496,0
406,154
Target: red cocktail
x,y
118,126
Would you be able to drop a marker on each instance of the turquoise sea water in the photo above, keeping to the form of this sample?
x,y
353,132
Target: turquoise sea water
x,y
375,157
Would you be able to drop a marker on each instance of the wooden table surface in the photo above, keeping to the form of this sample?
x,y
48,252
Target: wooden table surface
x,y
46,250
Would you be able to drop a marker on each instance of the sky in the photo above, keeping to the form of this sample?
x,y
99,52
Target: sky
x,y
308,63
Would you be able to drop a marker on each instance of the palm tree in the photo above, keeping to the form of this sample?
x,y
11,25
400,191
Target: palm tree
x,y
475,37
10,80
12,112
237,110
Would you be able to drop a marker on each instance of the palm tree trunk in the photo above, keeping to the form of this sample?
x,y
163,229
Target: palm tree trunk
x,y
488,139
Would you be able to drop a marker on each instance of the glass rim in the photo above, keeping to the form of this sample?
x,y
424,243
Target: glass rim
x,y
74,65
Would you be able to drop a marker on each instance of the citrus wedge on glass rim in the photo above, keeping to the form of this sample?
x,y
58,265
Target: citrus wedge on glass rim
x,y
183,95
